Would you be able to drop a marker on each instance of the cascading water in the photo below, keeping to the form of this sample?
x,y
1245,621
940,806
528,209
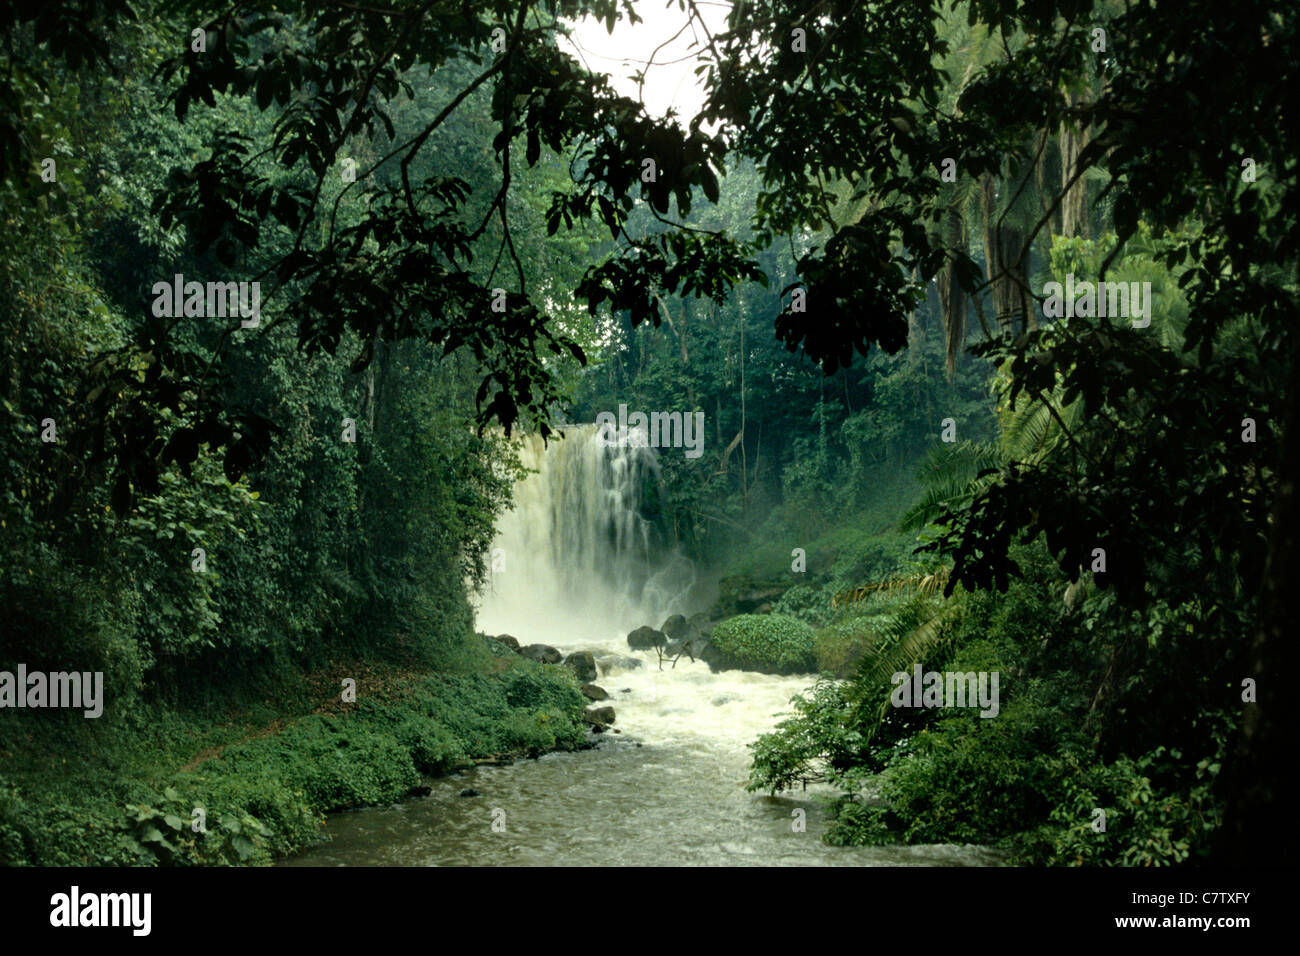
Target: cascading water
x,y
576,559
582,567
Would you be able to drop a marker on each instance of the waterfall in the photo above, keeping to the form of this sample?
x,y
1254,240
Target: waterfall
x,y
583,566
578,563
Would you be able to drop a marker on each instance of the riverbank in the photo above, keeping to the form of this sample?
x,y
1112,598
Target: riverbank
x,y
250,781
668,790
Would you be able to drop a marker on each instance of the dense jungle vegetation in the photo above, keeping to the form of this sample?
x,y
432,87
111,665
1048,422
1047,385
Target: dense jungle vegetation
x,y
461,233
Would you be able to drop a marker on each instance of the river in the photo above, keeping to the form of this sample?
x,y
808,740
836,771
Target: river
x,y
668,788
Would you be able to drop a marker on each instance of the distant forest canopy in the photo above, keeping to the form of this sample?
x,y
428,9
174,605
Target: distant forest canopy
x,y
453,225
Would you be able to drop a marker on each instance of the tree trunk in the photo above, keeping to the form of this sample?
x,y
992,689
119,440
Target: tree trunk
x,y
1259,775
952,298
1074,207
1002,246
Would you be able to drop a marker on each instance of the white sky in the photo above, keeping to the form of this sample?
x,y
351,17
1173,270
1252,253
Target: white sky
x,y
670,81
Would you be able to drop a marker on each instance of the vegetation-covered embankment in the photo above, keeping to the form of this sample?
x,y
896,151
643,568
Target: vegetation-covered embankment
x,y
245,782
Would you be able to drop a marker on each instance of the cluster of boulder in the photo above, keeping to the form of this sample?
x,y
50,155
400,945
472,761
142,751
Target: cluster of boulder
x,y
583,665
679,636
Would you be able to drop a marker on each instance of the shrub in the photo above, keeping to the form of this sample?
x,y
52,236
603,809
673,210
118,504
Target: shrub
x,y
806,603
772,643
841,646
531,687
15,835
1146,824
822,732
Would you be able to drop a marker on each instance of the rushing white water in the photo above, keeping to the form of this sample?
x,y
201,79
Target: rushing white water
x,y
583,567
580,561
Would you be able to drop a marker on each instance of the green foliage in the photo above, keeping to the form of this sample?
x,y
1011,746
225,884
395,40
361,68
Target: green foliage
x,y
966,778
949,474
168,832
1028,779
179,608
841,646
535,688
1146,824
773,643
263,797
821,732
517,170
16,839
336,766
805,602
56,612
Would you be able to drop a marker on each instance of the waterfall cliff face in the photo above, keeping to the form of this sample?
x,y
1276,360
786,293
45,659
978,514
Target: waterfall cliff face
x,y
577,561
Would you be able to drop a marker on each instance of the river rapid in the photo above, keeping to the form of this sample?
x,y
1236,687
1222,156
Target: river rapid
x,y
578,568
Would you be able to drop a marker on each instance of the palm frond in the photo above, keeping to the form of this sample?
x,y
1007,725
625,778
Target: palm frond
x,y
920,643
1030,430
915,643
920,582
951,476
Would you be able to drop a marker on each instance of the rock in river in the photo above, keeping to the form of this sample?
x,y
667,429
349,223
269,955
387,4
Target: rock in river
x,y
592,692
542,653
646,638
609,663
599,716
677,628
583,664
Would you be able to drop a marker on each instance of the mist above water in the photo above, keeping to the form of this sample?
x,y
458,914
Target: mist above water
x,y
581,562
583,567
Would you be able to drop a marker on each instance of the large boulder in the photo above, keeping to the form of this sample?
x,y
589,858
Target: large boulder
x,y
710,655
684,638
601,716
502,646
700,643
694,648
702,625
542,653
645,639
609,663
593,692
677,628
583,665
